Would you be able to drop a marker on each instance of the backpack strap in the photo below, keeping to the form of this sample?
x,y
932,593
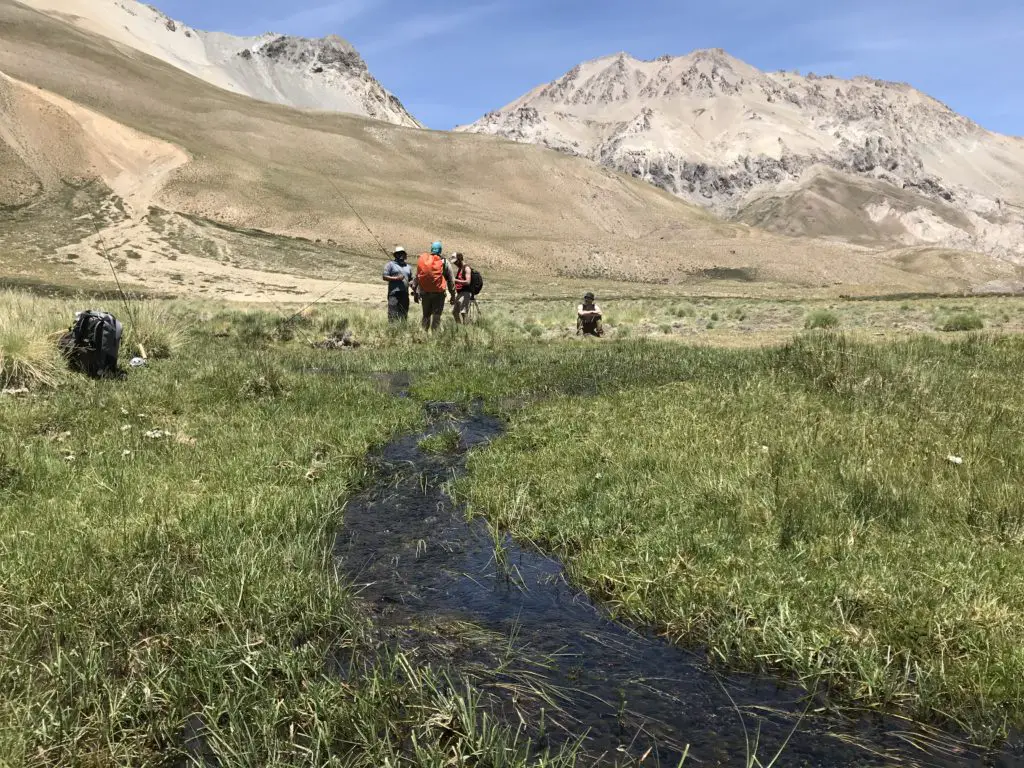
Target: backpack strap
x,y
78,327
100,332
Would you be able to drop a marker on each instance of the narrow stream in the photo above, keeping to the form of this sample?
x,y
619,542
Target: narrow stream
x,y
416,562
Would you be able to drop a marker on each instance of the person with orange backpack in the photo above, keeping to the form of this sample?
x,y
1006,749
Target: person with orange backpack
x,y
434,278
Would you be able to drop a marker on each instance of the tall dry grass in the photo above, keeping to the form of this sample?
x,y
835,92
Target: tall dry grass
x,y
29,328
157,328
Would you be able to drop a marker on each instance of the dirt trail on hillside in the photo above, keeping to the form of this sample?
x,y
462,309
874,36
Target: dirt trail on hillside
x,y
136,167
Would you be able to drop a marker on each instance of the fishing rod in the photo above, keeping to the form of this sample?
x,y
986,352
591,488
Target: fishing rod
x,y
339,282
110,263
361,221
117,281
124,299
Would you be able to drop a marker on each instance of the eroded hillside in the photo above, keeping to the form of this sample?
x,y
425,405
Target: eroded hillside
x,y
216,167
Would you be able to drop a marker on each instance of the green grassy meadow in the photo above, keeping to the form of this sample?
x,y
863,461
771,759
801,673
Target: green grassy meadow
x,y
165,568
842,512
841,507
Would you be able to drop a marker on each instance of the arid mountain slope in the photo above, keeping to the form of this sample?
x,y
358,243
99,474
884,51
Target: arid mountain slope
x,y
177,174
874,163
51,139
324,74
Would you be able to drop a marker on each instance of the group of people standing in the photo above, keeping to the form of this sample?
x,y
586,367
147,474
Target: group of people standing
x,y
435,278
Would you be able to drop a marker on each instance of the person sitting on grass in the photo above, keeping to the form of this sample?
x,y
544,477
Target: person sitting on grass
x,y
588,317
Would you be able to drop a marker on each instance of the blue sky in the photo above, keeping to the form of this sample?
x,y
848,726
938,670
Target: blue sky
x,y
451,62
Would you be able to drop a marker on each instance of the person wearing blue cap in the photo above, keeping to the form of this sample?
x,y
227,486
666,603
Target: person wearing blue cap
x,y
434,278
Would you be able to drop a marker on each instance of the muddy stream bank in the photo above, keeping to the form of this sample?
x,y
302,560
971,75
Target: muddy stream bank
x,y
422,569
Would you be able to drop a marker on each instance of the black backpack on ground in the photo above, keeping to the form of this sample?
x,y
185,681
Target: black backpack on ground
x,y
93,343
476,281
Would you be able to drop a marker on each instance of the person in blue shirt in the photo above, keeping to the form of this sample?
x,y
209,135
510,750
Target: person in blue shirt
x,y
398,275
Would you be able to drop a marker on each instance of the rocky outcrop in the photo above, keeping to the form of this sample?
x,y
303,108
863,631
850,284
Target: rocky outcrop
x,y
322,74
319,73
718,132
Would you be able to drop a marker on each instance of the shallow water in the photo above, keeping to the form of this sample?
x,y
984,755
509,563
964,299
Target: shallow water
x,y
416,561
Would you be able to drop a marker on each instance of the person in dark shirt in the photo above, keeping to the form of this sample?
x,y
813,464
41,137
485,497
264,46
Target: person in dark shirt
x,y
588,317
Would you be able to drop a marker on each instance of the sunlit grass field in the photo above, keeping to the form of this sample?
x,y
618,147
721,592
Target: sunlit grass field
x,y
166,588
847,513
839,508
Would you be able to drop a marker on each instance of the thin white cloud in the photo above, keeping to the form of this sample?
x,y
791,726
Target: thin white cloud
x,y
427,25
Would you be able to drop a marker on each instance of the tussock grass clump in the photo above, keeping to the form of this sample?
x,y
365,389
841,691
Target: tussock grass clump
x,y
254,328
446,441
158,327
832,363
26,360
287,327
29,327
821,319
684,310
266,380
962,321
335,327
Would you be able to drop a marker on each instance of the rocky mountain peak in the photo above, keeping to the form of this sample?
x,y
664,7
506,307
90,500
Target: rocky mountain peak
x,y
713,55
325,74
716,131
316,54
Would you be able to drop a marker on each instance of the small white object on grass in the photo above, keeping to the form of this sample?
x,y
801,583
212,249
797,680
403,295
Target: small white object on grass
x,y
958,460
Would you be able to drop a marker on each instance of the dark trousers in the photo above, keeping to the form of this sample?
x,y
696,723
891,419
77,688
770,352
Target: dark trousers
x,y
433,308
398,306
